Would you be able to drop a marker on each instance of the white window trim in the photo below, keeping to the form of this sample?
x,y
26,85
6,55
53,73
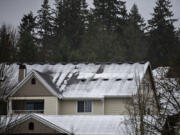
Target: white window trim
x,y
84,112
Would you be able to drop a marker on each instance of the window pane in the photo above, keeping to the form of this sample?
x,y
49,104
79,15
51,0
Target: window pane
x,y
31,126
29,106
33,81
88,105
80,106
38,106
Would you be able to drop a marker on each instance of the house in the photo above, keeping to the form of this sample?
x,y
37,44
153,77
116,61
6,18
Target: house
x,y
73,98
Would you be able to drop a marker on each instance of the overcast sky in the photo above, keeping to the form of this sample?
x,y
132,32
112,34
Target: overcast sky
x,y
11,11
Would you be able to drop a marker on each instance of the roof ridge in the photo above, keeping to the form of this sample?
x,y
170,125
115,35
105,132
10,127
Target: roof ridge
x,y
76,63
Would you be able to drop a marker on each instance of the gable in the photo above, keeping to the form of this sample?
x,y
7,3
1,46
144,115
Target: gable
x,y
39,128
30,90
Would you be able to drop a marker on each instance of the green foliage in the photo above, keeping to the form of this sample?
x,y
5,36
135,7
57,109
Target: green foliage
x,y
27,50
45,26
111,14
162,38
70,21
136,19
101,46
7,44
134,37
73,32
63,51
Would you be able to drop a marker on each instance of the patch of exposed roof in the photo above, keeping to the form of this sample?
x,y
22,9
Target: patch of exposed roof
x,y
85,80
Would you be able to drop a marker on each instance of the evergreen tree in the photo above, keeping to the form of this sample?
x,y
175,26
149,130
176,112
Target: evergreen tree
x,y
135,18
7,44
163,42
110,13
44,22
58,23
101,46
27,49
63,51
70,21
134,36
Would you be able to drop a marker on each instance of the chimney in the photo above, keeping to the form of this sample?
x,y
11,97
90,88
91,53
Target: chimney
x,y
22,72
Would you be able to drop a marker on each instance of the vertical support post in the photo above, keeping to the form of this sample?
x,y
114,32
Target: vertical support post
x,y
10,106
103,106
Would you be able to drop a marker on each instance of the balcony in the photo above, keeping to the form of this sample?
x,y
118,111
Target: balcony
x,y
27,106
26,111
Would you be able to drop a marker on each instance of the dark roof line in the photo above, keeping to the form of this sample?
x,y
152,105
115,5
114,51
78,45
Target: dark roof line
x,y
76,63
48,80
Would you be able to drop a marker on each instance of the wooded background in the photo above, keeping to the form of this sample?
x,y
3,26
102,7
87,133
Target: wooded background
x,y
71,32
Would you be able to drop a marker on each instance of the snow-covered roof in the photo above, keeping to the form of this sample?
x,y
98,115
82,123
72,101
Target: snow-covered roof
x,y
81,124
85,80
88,125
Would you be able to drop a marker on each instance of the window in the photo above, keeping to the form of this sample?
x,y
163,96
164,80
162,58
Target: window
x,y
118,79
33,81
83,80
35,105
84,106
31,126
94,79
130,79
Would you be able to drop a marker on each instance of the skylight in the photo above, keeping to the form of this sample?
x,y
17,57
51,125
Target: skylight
x,y
83,80
94,79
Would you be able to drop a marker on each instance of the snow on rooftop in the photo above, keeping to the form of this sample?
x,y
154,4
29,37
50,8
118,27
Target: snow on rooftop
x,y
86,79
88,125
77,124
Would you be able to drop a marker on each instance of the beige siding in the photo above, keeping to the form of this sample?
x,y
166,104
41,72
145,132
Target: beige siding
x,y
51,105
115,106
39,128
29,90
98,107
70,107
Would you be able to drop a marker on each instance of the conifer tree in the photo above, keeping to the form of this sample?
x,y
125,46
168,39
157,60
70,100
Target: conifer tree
x,y
135,18
110,13
58,23
44,24
27,49
7,44
70,23
163,42
70,20
134,36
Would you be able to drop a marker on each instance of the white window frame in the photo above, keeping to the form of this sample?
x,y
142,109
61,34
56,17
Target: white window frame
x,y
84,106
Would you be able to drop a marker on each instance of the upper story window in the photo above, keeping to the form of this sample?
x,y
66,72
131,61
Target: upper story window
x,y
37,106
31,126
33,81
84,106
